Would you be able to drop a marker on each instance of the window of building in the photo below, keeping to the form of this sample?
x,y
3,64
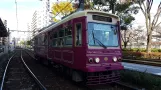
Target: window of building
x,y
78,34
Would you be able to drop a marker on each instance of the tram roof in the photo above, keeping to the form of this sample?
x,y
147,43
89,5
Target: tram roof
x,y
75,15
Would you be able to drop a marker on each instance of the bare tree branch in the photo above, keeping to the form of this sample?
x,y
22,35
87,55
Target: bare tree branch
x,y
144,6
158,24
157,15
150,4
140,5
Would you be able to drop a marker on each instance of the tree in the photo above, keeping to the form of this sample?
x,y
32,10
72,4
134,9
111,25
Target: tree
x,y
28,42
138,36
124,11
126,37
145,7
63,8
157,32
22,42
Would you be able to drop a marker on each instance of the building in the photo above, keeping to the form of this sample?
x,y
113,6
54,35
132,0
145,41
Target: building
x,y
41,18
46,12
29,34
3,37
37,22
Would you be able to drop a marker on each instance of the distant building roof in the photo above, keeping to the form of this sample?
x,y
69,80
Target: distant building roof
x,y
3,30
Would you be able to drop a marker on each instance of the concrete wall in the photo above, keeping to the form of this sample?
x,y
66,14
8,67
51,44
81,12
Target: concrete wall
x,y
5,50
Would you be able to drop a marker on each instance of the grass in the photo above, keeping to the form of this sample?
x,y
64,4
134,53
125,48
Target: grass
x,y
141,79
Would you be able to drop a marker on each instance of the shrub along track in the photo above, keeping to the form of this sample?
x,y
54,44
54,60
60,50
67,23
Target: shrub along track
x,y
16,77
54,80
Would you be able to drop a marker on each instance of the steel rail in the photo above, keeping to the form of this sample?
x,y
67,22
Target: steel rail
x,y
4,74
35,78
30,55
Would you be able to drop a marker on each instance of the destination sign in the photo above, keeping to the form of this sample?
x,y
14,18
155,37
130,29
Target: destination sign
x,y
102,18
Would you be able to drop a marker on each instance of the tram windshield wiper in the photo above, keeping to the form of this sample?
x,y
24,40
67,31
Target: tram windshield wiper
x,y
98,41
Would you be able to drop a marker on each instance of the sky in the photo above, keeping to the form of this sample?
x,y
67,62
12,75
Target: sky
x,y
26,8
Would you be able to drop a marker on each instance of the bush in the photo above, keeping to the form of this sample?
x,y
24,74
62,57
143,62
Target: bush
x,y
140,79
141,50
141,55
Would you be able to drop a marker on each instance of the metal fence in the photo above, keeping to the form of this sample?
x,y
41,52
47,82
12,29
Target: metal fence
x,y
142,46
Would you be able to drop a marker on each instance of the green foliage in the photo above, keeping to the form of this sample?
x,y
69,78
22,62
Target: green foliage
x,y
136,54
22,42
140,79
28,42
141,50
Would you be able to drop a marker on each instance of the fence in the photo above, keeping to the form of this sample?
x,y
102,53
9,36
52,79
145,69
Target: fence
x,y
142,46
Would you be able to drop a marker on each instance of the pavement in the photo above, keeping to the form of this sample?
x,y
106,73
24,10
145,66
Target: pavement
x,y
143,68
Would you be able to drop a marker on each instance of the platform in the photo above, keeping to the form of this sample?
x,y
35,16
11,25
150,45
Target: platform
x,y
143,68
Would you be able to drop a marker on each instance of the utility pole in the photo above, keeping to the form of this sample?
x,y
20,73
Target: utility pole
x,y
81,5
8,43
16,14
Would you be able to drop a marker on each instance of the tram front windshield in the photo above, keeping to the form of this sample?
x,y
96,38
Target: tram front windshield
x,y
104,35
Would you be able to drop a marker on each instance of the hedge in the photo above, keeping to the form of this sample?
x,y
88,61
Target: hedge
x,y
141,55
141,50
141,79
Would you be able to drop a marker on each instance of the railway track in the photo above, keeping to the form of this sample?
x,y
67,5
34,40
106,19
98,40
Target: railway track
x,y
17,75
144,62
114,86
69,85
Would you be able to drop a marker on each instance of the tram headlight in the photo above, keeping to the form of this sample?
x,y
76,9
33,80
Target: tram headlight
x,y
119,59
114,59
90,60
97,60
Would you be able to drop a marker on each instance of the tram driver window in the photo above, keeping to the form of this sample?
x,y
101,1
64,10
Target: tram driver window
x,y
78,34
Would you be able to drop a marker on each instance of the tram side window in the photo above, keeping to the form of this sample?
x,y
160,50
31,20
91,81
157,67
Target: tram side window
x,y
68,37
39,41
61,39
36,41
78,34
45,40
50,39
55,41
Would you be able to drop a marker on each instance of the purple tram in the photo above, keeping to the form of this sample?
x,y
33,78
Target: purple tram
x,y
86,45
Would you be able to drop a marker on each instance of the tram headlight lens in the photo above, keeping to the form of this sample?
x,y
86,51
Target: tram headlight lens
x,y
90,60
114,59
97,60
119,59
